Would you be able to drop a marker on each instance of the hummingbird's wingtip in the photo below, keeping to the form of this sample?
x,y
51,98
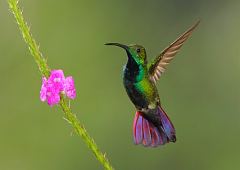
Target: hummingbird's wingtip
x,y
198,21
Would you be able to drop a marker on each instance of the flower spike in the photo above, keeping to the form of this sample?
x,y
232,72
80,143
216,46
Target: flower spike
x,y
55,85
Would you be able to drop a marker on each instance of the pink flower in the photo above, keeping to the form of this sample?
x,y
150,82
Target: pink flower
x,y
69,87
57,79
43,92
56,84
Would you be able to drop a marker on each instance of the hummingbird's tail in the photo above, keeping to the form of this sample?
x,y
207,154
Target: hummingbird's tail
x,y
146,133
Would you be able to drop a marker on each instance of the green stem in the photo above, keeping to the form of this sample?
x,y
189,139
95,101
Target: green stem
x,y
32,45
80,130
45,71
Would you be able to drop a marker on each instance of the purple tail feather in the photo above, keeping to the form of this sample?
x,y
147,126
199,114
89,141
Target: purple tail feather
x,y
144,132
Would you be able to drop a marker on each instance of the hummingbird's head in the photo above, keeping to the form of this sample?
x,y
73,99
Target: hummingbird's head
x,y
135,52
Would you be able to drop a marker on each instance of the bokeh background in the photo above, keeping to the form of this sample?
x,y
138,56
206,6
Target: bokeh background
x,y
199,91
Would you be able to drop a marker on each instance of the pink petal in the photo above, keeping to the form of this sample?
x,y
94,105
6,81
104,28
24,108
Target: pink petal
x,y
43,91
53,98
57,79
70,88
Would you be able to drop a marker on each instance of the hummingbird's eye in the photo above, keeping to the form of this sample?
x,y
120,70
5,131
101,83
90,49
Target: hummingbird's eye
x,y
138,50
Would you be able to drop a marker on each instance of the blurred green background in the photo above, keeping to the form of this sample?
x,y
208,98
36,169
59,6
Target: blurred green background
x,y
199,91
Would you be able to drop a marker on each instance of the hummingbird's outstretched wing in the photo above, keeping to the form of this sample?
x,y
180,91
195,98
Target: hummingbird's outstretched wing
x,y
158,65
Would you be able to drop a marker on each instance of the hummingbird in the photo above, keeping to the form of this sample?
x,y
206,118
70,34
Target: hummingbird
x,y
151,126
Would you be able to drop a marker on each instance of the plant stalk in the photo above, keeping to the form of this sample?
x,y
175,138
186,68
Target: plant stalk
x,y
45,72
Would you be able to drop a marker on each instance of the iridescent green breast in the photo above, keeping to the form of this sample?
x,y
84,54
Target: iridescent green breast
x,y
145,87
140,89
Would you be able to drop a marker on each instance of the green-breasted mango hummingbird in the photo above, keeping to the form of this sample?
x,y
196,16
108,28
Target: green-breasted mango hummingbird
x,y
151,126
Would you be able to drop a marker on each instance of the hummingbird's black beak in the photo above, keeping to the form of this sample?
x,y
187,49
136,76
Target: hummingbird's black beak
x,y
119,45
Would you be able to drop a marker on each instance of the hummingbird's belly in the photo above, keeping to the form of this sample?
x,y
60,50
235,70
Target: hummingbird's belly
x,y
143,94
